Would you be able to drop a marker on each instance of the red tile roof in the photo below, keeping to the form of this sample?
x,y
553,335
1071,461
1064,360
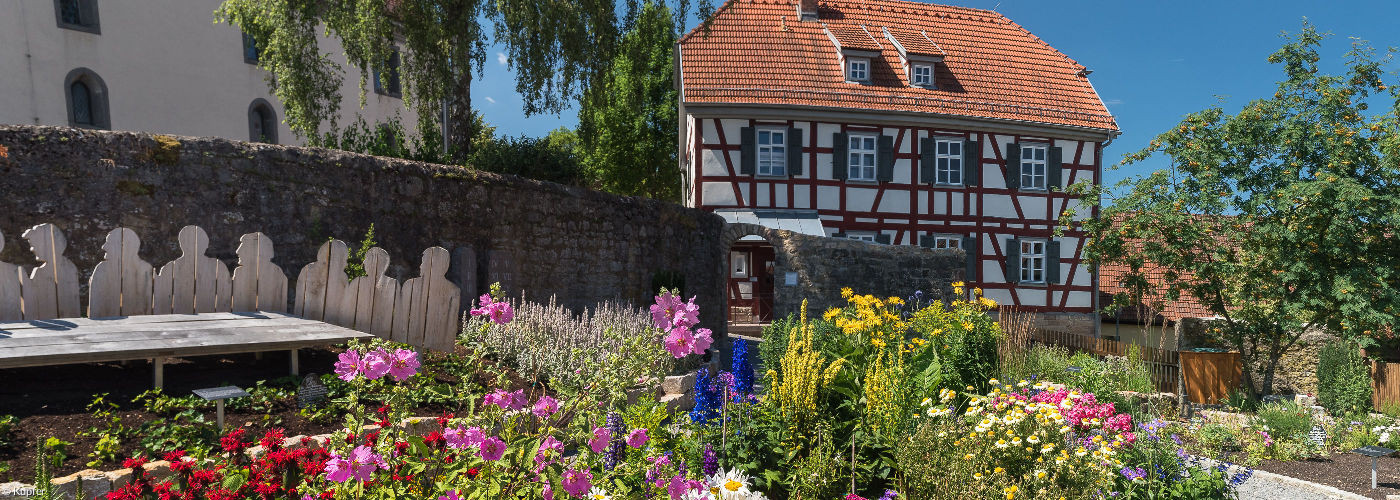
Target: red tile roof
x,y
853,37
1186,306
915,42
759,52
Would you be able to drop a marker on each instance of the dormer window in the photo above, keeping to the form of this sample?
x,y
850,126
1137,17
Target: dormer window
x,y
857,69
922,75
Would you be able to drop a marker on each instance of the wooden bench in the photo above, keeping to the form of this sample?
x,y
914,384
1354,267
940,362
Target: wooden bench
x,y
194,306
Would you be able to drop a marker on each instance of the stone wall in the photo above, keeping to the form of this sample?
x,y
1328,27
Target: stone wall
x,y
535,237
821,266
1296,372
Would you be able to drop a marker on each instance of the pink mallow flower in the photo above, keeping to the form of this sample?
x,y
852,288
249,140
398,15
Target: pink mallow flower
x,y
703,339
545,406
601,437
451,495
664,310
637,438
492,449
687,314
459,438
680,343
361,465
377,363
349,365
577,482
499,312
403,364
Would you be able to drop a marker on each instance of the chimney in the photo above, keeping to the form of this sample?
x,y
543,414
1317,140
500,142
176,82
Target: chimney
x,y
807,10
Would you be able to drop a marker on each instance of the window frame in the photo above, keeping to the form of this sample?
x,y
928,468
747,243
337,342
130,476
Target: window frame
x,y
866,236
1028,259
1043,162
914,75
849,70
939,238
98,102
946,165
778,159
395,65
852,160
86,8
251,53
268,114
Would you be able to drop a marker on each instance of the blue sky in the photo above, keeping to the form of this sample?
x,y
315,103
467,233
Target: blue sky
x,y
1153,61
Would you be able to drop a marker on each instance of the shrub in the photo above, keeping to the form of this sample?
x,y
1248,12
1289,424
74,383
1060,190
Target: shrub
x,y
1343,379
1284,420
1158,467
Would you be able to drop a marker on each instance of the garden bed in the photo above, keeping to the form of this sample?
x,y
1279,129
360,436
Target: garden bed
x,y
1345,471
54,402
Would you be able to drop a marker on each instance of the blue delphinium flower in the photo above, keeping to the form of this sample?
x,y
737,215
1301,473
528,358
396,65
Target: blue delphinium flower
x,y
707,400
742,368
613,454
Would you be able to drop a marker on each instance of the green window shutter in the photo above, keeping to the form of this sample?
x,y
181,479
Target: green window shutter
x,y
1013,260
883,239
748,150
885,159
840,145
926,241
927,159
1052,262
1055,169
1013,166
972,163
794,151
972,245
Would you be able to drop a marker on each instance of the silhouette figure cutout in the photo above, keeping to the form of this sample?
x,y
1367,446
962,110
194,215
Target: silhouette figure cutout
x,y
368,304
258,284
51,290
122,283
425,314
193,282
10,280
321,284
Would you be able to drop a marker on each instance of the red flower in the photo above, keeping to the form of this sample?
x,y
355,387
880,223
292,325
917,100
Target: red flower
x,y
234,442
472,472
273,439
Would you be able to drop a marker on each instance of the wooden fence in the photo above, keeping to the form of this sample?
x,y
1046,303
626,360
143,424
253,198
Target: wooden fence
x,y
1385,384
422,312
1164,365
1210,376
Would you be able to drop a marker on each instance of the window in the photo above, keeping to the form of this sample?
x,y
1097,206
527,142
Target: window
x,y
262,122
948,154
386,79
80,15
1032,261
857,69
947,241
740,264
772,151
922,75
250,49
866,237
86,96
1033,166
862,158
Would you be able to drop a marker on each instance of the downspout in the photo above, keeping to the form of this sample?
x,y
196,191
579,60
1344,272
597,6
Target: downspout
x,y
1098,316
678,81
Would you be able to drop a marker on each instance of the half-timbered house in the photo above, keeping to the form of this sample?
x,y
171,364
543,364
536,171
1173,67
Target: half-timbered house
x,y
897,122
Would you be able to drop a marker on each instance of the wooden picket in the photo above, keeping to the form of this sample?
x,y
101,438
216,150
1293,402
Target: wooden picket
x,y
423,312
1385,385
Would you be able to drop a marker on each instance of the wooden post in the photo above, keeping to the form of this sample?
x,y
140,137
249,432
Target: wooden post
x,y
295,368
159,364
220,405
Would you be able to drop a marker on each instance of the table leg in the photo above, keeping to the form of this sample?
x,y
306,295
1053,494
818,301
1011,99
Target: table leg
x,y
1373,473
296,370
257,356
159,364
221,415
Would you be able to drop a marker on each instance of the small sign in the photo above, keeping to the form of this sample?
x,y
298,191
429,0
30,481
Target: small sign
x,y
1373,451
790,278
1074,369
1318,435
311,392
217,393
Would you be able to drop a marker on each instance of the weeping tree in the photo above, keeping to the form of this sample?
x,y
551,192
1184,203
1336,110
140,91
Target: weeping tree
x,y
556,47
1281,218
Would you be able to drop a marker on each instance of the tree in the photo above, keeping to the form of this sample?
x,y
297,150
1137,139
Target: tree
x,y
556,48
627,119
1281,218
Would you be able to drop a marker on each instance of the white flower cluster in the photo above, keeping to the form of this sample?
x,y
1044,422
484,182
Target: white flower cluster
x,y
1385,433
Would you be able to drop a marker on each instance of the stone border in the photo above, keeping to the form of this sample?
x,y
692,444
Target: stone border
x,y
1318,488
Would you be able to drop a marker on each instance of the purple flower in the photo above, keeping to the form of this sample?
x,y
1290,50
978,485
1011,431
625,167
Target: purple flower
x,y
1133,474
890,495
338,469
361,465
377,363
403,365
709,462
616,448
492,449
577,482
451,495
601,437
349,365
545,406
459,438
637,438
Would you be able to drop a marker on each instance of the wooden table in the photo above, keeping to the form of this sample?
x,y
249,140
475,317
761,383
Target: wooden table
x,y
156,337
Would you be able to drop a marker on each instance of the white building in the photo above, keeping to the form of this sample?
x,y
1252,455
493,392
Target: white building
x,y
159,66
896,122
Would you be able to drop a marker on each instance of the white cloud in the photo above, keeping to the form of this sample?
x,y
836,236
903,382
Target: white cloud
x,y
490,100
501,58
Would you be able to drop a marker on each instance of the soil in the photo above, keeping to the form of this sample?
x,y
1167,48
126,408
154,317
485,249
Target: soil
x,y
52,402
1345,471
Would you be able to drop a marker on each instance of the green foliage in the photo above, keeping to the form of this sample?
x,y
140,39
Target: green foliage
x,y
550,158
391,139
7,429
110,435
1343,379
43,461
54,453
627,118
1284,420
1215,439
355,267
1240,399
1102,377
1278,218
